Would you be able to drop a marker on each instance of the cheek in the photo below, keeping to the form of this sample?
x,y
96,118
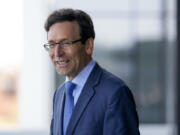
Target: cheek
x,y
51,55
76,60
80,58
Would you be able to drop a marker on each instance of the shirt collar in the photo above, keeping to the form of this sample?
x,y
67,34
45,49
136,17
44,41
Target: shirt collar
x,y
82,76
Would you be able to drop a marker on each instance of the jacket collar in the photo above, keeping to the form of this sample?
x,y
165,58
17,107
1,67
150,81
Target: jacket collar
x,y
85,97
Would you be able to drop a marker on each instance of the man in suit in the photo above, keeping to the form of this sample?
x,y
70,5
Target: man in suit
x,y
91,101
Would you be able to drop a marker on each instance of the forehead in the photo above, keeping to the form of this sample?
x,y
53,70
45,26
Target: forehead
x,y
63,30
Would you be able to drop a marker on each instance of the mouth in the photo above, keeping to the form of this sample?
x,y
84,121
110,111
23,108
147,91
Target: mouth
x,y
62,63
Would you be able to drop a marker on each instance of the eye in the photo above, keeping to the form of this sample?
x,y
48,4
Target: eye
x,y
51,44
66,44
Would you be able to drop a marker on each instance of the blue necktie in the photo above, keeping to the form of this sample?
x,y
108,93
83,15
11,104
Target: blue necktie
x,y
69,103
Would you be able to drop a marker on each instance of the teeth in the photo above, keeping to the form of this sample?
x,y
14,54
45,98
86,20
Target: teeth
x,y
62,62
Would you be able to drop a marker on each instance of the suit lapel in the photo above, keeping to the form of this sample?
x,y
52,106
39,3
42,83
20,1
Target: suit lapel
x,y
85,97
59,112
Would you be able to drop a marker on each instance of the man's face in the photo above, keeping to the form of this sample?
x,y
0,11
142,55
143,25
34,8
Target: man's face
x,y
70,60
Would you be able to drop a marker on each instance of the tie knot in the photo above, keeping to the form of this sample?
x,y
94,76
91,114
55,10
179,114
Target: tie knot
x,y
70,87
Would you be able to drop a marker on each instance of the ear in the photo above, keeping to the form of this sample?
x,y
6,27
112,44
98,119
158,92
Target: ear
x,y
89,46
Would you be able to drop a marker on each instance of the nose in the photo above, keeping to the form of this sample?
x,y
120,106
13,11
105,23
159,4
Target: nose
x,y
58,51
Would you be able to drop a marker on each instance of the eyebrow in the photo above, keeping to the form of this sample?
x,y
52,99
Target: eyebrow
x,y
51,41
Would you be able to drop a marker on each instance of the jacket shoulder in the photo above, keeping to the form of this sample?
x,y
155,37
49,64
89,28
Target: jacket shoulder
x,y
111,79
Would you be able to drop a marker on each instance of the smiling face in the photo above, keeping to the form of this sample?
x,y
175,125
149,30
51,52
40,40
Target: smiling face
x,y
69,60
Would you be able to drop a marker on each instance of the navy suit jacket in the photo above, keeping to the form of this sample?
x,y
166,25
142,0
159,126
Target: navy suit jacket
x,y
105,107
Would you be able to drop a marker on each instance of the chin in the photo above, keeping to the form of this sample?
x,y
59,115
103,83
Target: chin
x,y
63,73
